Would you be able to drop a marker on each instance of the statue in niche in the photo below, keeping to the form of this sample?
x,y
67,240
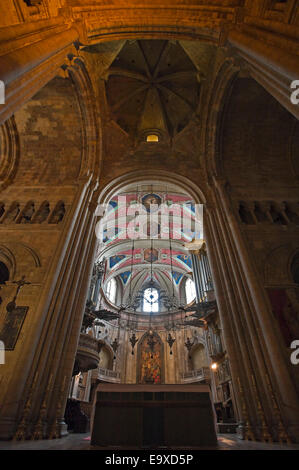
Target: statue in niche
x,y
12,213
27,214
42,213
58,214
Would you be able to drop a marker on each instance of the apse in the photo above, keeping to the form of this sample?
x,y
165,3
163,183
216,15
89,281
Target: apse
x,y
146,261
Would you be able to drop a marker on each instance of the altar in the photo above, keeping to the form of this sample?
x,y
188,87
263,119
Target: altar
x,y
140,416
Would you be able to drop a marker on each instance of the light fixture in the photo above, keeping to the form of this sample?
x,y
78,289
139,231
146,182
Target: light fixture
x,y
152,138
170,341
133,340
214,365
189,345
115,345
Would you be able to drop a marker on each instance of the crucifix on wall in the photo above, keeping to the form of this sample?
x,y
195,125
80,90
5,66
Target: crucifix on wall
x,y
14,318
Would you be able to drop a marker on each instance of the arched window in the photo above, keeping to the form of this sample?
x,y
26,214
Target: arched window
x,y
190,290
111,290
152,138
151,300
4,273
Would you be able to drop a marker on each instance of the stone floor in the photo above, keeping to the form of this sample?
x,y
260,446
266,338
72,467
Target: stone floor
x,y
82,442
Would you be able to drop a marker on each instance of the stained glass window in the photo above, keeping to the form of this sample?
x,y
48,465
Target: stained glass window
x,y
190,290
151,300
111,290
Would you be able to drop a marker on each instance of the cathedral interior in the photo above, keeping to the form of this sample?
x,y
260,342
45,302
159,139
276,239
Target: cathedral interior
x,y
149,216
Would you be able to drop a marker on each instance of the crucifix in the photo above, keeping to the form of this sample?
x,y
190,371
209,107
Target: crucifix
x,y
11,305
20,284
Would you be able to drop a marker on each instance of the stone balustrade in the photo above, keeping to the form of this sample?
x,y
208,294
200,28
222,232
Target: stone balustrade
x,y
106,375
199,375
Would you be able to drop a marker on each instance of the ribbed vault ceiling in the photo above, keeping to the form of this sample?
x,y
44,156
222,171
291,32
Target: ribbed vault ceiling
x,y
152,85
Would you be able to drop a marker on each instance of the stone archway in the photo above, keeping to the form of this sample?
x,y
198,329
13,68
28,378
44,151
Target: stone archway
x,y
131,179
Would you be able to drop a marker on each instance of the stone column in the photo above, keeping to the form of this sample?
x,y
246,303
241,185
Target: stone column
x,y
232,345
72,325
272,67
274,390
44,376
25,70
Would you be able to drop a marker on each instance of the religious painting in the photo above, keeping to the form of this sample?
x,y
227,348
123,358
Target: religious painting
x,y
12,326
151,202
150,360
286,313
151,255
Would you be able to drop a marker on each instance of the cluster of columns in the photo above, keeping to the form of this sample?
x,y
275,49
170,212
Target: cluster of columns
x,y
36,404
266,400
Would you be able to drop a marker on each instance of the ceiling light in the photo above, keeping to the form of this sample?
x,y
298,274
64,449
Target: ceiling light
x,y
152,138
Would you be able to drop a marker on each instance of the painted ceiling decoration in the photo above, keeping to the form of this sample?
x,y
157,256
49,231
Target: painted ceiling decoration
x,y
185,259
151,202
140,263
110,234
112,205
150,255
152,88
177,277
125,276
115,260
120,224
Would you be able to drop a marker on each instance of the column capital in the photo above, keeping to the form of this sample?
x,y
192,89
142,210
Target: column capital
x,y
195,246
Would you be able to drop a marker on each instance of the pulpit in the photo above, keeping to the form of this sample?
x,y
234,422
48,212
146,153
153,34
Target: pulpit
x,y
140,416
